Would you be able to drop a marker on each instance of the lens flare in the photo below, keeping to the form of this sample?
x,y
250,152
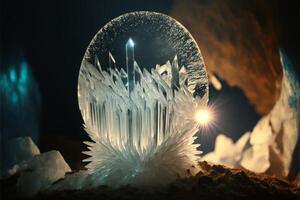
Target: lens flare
x,y
203,116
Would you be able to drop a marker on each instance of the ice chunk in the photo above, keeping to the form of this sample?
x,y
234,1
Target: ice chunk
x,y
40,172
75,181
226,151
21,149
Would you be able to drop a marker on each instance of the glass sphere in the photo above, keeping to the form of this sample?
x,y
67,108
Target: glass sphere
x,y
141,79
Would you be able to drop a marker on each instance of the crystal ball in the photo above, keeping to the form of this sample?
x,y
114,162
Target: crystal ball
x,y
141,79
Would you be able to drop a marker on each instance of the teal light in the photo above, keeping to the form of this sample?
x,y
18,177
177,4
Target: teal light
x,y
12,74
289,71
22,82
14,83
23,73
14,97
4,82
22,89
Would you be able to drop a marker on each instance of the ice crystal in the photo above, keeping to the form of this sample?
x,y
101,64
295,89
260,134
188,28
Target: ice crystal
x,y
145,136
141,120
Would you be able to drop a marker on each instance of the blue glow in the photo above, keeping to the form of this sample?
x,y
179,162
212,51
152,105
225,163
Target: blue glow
x,y
23,73
289,71
4,82
12,74
22,85
22,88
14,83
14,97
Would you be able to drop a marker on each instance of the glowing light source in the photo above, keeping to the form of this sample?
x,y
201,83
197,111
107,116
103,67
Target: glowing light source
x,y
203,116
130,42
15,82
12,75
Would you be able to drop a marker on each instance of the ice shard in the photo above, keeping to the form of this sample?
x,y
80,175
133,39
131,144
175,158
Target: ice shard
x,y
130,65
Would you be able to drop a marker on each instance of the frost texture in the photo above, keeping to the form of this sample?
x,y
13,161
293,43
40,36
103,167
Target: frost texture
x,y
142,137
158,38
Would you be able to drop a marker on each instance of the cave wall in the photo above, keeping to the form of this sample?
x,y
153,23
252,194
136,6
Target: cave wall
x,y
239,43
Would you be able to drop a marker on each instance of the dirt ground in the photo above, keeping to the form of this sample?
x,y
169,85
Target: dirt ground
x,y
213,182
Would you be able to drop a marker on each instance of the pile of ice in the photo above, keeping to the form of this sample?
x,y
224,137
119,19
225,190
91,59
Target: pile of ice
x,y
37,172
269,147
19,150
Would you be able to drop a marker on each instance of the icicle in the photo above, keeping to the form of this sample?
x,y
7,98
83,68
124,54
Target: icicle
x,y
130,65
111,61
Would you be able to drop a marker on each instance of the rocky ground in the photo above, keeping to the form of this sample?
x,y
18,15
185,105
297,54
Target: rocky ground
x,y
214,182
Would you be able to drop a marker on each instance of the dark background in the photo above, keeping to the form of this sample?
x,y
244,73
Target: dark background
x,y
52,37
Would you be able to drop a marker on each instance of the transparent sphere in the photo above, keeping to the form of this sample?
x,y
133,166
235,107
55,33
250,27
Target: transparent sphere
x,y
140,81
157,38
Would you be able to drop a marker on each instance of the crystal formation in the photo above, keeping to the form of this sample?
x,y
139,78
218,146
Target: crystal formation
x,y
141,121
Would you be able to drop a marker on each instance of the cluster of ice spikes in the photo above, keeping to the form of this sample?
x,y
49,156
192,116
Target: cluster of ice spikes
x,y
142,137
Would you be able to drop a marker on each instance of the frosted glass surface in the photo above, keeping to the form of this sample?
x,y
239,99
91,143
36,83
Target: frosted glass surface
x,y
157,38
